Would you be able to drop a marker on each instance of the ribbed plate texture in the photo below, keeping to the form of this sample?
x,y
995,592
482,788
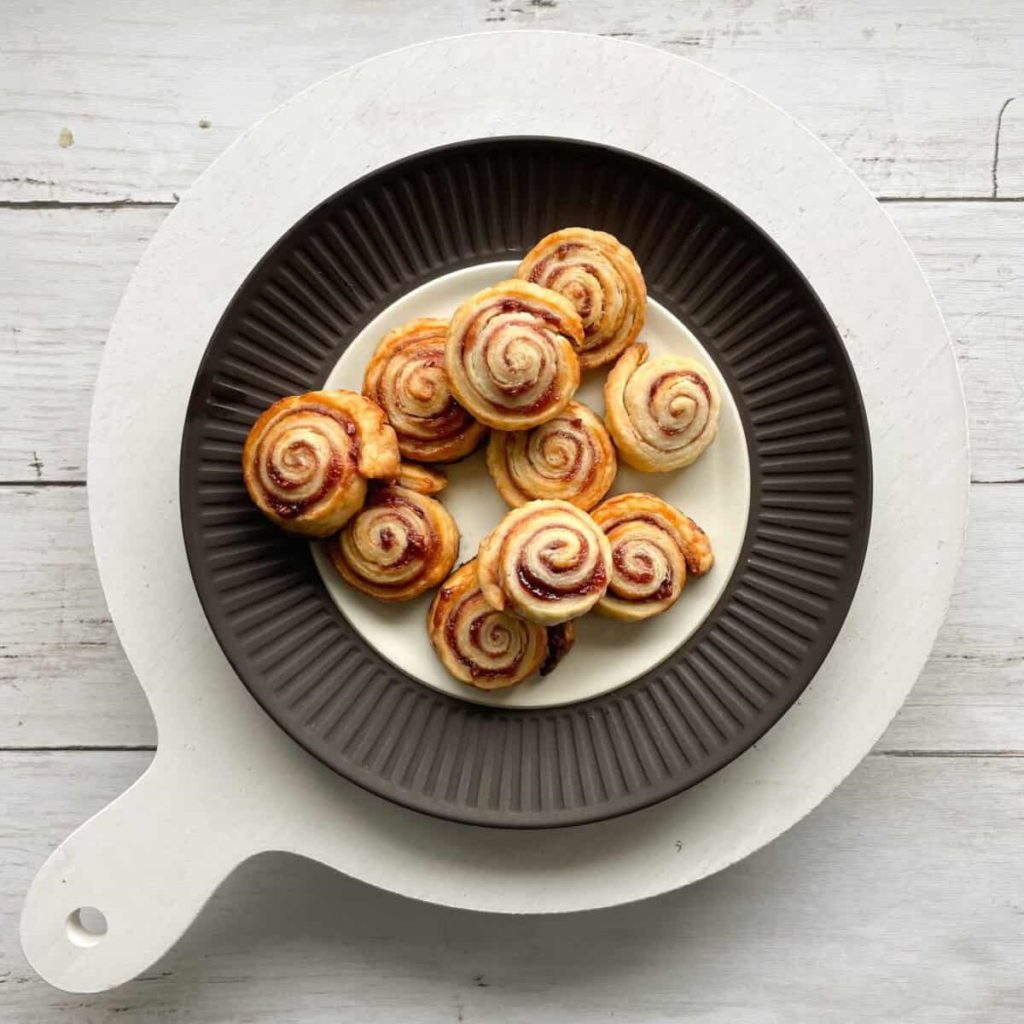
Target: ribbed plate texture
x,y
718,693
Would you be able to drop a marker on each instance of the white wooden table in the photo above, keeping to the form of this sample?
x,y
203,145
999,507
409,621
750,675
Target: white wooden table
x,y
901,899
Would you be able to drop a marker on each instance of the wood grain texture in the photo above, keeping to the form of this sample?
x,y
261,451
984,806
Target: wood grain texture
x,y
103,102
883,905
66,682
898,899
62,273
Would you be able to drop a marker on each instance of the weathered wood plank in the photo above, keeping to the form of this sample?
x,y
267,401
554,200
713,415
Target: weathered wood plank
x,y
65,681
897,900
973,257
62,273
101,103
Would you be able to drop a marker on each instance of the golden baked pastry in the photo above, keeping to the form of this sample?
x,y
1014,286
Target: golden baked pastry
x,y
511,354
307,459
422,479
547,561
654,546
407,379
601,278
662,413
484,647
570,457
401,542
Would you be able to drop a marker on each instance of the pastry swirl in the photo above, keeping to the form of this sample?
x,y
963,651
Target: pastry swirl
x,y
511,354
662,413
547,561
484,647
570,457
601,278
406,377
654,546
307,459
400,543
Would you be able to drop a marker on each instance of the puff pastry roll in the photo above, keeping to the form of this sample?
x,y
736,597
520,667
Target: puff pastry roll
x,y
662,413
601,278
407,378
487,648
547,561
307,459
570,457
402,542
511,354
654,547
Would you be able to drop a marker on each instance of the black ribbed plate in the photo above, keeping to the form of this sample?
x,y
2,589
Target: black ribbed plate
x,y
716,694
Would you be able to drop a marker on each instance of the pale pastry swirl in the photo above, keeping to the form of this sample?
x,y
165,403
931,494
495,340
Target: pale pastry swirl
x,y
662,413
601,278
484,647
547,561
570,457
654,547
401,542
511,354
407,378
307,459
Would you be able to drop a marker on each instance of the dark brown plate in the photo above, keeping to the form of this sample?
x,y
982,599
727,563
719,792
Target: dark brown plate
x,y
720,691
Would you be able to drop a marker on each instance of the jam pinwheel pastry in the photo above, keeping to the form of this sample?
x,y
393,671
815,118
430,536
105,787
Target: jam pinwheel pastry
x,y
308,459
662,413
407,378
511,354
570,457
548,562
601,278
654,548
487,648
402,542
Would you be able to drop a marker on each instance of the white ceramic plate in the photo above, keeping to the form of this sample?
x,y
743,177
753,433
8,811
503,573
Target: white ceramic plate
x,y
714,491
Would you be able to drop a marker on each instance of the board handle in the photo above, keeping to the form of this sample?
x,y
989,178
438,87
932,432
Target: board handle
x,y
147,863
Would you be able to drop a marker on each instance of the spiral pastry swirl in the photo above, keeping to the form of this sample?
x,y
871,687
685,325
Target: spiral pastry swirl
x,y
400,543
548,562
406,377
487,648
307,459
601,278
654,546
663,413
511,354
570,457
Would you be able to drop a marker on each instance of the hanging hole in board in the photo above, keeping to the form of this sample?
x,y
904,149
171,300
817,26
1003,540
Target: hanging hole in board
x,y
86,926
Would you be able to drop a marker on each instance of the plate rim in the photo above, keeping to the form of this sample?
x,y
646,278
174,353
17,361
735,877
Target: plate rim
x,y
611,809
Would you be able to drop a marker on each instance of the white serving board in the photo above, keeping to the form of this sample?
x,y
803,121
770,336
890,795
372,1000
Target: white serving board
x,y
225,782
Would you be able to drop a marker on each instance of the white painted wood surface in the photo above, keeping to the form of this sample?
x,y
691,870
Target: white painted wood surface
x,y
907,92
899,900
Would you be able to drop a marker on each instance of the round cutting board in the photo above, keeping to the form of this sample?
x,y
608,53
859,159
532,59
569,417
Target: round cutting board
x,y
226,781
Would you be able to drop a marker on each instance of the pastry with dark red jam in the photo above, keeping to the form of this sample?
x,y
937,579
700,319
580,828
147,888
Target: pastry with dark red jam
x,y
402,542
570,458
511,354
548,562
662,413
308,459
654,547
487,648
601,278
407,378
